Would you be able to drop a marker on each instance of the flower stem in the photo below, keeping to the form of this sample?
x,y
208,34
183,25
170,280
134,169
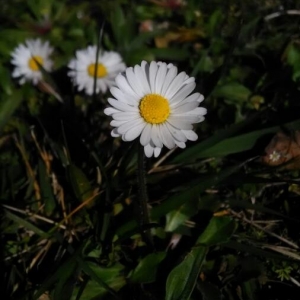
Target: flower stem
x,y
143,213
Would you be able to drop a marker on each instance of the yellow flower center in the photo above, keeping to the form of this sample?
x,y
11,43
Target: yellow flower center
x,y
97,70
154,108
34,62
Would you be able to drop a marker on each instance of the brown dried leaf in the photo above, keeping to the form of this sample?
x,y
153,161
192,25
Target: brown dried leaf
x,y
283,150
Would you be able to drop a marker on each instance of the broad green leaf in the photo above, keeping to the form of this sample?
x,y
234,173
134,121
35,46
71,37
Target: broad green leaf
x,y
8,105
182,279
108,279
233,91
219,230
145,272
235,144
193,152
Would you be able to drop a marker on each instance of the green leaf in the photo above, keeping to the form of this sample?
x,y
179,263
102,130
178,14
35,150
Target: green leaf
x,y
61,276
5,81
108,279
170,54
46,189
219,230
193,152
182,279
177,217
26,224
80,184
8,107
179,199
232,145
233,91
66,282
145,272
239,246
214,21
192,193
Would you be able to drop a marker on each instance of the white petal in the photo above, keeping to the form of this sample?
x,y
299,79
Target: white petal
x,y
116,123
195,97
152,75
186,107
110,110
157,151
134,82
114,133
180,123
142,78
126,116
128,125
190,134
199,111
134,132
121,106
166,136
146,135
176,133
182,93
148,149
124,86
172,72
186,118
160,78
155,136
181,145
175,85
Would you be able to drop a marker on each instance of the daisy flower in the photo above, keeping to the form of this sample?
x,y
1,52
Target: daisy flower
x,y
27,59
84,69
155,103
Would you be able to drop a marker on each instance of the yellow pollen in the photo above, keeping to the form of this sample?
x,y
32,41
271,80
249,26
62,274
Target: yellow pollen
x,y
101,70
34,62
154,108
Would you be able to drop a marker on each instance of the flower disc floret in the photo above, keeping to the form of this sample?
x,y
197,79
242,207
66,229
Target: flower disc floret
x,y
154,108
98,70
155,103
35,62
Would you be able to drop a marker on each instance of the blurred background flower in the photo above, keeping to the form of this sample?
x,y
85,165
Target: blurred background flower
x,y
89,68
30,58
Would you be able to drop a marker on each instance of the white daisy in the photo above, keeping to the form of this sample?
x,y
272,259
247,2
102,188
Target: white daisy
x,y
154,102
27,59
85,68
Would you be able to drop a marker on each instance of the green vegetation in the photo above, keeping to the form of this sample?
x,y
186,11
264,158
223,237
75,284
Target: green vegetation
x,y
224,212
